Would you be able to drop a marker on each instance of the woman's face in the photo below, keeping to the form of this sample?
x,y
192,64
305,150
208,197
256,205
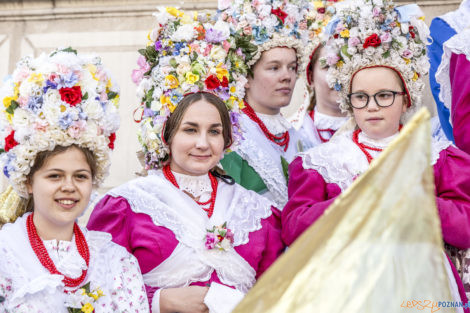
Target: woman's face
x,y
325,97
61,189
198,143
378,122
273,81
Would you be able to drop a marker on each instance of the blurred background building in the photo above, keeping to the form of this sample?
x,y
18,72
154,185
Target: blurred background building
x,y
114,29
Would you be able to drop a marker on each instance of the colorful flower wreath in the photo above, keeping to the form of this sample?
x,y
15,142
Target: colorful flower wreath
x,y
376,33
261,25
57,99
317,19
186,53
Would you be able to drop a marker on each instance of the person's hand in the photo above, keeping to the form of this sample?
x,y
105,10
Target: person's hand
x,y
183,300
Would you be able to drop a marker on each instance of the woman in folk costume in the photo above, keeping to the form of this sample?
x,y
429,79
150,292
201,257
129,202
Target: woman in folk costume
x,y
57,132
324,107
269,35
453,76
442,29
188,225
377,62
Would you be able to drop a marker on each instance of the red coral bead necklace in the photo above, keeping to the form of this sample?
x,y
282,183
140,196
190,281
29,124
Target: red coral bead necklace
x,y
46,261
282,140
214,183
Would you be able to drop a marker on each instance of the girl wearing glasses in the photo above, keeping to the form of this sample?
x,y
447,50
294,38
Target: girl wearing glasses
x,y
378,68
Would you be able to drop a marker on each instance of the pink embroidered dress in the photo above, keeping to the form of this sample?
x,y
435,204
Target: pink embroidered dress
x,y
165,229
322,173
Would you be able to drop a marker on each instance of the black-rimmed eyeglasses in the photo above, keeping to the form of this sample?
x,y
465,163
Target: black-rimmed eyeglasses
x,y
384,98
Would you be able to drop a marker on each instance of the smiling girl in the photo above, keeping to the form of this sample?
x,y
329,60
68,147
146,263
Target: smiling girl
x,y
380,83
201,240
56,134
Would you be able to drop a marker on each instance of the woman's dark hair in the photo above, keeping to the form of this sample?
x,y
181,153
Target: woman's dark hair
x,y
176,117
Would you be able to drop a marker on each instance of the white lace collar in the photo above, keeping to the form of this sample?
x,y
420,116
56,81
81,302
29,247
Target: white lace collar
x,y
276,124
377,143
65,256
197,186
324,121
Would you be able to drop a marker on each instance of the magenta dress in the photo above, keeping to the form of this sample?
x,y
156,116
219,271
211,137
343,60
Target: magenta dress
x,y
460,114
312,191
151,234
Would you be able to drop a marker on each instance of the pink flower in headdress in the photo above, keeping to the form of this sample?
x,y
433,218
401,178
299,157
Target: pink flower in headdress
x,y
138,74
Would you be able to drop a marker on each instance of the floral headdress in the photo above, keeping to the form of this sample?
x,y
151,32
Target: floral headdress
x,y
57,99
187,53
371,33
261,25
317,19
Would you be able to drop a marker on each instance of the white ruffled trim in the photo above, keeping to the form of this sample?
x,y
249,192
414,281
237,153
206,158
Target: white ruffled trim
x,y
460,18
197,186
458,44
340,160
323,121
276,124
65,256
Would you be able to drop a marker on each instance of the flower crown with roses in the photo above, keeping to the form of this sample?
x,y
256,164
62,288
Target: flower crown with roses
x,y
59,99
317,19
371,33
261,25
187,53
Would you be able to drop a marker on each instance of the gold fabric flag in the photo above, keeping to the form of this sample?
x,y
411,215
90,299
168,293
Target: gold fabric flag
x,y
378,246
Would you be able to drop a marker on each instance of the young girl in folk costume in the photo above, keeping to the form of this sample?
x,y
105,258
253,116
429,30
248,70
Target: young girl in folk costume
x,y
189,226
380,82
57,131
324,107
270,37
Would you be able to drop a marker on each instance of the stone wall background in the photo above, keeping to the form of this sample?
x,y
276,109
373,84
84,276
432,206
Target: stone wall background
x,y
115,30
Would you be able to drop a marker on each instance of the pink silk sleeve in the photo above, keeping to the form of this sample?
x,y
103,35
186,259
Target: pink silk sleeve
x,y
452,179
459,73
309,196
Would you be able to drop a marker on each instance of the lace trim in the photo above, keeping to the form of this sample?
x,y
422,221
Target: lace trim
x,y
460,18
340,161
276,124
197,186
65,256
459,44
323,121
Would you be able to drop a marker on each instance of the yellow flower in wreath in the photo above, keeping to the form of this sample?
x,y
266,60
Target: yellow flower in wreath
x,y
191,78
171,81
87,308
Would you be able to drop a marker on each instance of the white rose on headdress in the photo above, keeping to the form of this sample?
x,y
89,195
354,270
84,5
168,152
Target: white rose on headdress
x,y
223,28
155,105
185,32
264,10
369,51
21,118
378,2
93,109
144,86
51,112
218,53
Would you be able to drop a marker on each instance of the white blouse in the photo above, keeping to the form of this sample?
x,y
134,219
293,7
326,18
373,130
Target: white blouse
x,y
28,287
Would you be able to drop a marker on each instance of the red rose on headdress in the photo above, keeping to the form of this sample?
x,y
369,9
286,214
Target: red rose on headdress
x,y
212,82
111,138
280,14
321,10
224,82
71,95
372,41
10,141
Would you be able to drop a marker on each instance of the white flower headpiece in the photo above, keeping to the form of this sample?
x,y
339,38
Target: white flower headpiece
x,y
371,33
59,99
317,19
186,53
261,25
